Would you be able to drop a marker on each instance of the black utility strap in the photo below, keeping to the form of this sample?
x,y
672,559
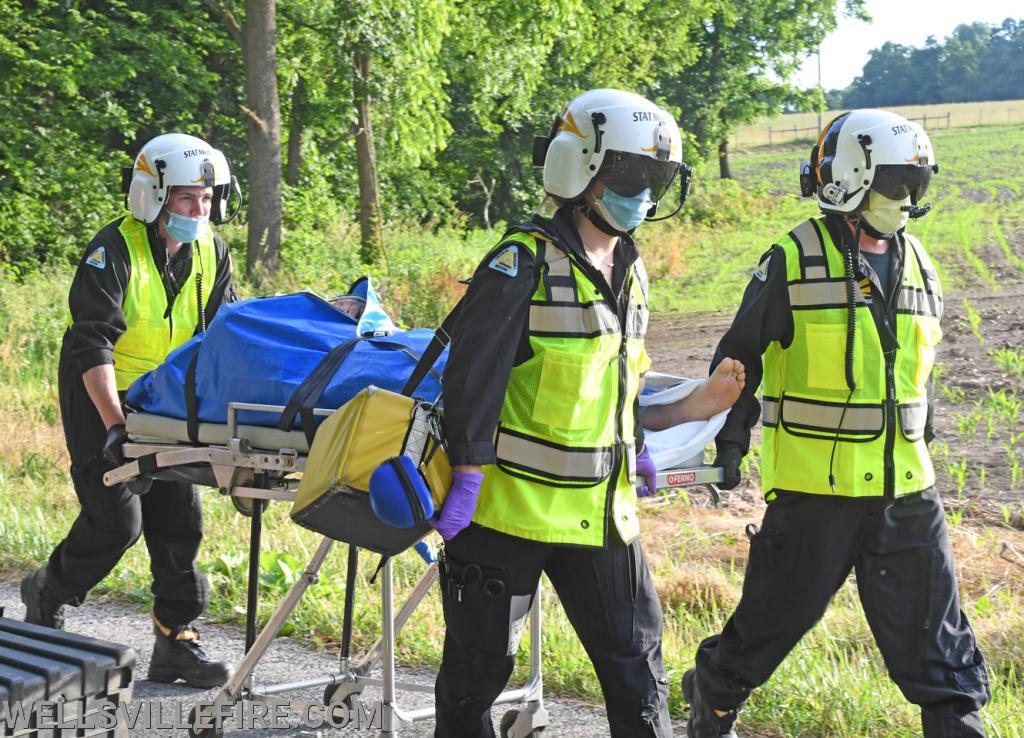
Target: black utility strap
x,y
442,337
191,400
307,394
147,464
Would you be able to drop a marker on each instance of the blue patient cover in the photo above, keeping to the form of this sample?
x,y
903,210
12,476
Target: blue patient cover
x,y
261,350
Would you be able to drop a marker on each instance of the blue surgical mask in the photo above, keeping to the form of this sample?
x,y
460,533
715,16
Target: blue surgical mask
x,y
184,229
624,213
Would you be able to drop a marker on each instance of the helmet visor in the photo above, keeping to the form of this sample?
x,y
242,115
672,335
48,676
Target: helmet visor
x,y
630,174
898,182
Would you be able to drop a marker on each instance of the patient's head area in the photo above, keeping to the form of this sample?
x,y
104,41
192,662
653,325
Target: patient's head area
x,y
352,305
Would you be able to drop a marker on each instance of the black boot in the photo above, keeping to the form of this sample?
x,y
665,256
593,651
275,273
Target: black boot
x,y
949,720
178,655
704,721
40,607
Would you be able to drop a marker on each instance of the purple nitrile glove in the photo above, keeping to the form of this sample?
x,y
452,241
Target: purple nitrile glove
x,y
458,508
645,468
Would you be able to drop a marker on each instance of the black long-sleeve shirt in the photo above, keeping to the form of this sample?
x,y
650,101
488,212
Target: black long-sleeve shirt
x,y
764,316
97,292
490,336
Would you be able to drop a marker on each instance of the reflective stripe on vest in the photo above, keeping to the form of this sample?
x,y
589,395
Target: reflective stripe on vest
x,y
151,334
573,321
564,442
807,407
568,463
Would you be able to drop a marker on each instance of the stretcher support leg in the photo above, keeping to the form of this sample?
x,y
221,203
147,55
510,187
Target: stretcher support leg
x,y
350,596
229,692
252,593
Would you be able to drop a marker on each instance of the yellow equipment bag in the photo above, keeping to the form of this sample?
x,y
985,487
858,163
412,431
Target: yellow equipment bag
x,y
372,427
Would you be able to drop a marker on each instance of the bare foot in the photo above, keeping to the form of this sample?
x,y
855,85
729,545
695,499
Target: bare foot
x,y
724,386
717,393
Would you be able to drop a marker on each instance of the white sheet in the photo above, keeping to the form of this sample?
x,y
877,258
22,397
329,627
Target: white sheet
x,y
681,445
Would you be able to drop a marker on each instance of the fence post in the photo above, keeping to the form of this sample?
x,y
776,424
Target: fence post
x,y
770,137
947,118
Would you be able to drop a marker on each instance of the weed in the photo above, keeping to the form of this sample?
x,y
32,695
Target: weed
x,y
958,473
954,516
1009,361
973,320
1016,472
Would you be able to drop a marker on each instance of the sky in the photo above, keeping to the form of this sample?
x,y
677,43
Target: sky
x,y
907,22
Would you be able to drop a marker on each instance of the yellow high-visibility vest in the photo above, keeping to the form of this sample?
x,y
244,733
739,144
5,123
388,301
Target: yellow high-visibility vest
x,y
567,417
805,390
153,331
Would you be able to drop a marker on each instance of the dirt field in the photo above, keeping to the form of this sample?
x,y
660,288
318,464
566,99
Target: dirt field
x,y
684,345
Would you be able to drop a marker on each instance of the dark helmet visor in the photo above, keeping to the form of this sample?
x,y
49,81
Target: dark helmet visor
x,y
630,174
899,181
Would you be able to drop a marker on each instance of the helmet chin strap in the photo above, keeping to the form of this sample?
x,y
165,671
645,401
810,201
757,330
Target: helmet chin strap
x,y
599,222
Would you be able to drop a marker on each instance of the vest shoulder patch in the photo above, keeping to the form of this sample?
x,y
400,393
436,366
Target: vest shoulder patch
x,y
97,258
762,269
506,261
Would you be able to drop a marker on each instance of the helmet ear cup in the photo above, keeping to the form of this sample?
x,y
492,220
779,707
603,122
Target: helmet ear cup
x,y
808,184
541,144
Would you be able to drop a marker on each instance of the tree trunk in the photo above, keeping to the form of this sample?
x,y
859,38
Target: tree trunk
x,y
258,47
723,159
371,242
295,132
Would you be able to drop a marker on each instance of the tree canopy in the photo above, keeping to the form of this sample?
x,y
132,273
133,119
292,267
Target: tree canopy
x,y
368,111
976,62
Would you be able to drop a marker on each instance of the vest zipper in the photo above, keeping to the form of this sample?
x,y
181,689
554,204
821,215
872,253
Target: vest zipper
x,y
889,320
890,428
618,455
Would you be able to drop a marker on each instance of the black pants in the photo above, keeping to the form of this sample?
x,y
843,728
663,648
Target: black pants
x,y
112,518
900,551
609,598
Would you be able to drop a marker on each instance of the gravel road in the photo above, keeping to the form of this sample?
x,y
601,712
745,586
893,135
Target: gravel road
x,y
286,661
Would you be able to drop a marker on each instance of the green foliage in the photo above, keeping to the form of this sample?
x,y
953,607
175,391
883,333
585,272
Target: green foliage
x,y
458,90
976,62
748,53
84,84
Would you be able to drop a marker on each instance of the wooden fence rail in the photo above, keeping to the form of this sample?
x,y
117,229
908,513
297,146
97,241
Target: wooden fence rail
x,y
779,134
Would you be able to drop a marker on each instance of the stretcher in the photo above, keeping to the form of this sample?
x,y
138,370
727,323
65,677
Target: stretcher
x,y
256,464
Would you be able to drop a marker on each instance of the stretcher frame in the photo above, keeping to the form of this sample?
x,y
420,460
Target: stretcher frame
x,y
252,477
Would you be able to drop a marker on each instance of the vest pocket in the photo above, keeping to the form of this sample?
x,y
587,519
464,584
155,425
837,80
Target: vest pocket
x,y
913,417
826,356
570,385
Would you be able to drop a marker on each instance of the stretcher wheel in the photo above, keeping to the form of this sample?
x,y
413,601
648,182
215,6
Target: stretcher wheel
x,y
349,700
139,486
217,731
508,720
247,505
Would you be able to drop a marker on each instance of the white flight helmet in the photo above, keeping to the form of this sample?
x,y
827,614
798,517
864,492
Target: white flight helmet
x,y
604,130
174,160
865,150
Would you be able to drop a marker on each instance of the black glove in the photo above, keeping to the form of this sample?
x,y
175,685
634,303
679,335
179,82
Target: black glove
x,y
729,458
113,449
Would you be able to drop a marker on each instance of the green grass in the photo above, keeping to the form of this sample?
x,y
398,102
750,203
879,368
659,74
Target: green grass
x,y
834,684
